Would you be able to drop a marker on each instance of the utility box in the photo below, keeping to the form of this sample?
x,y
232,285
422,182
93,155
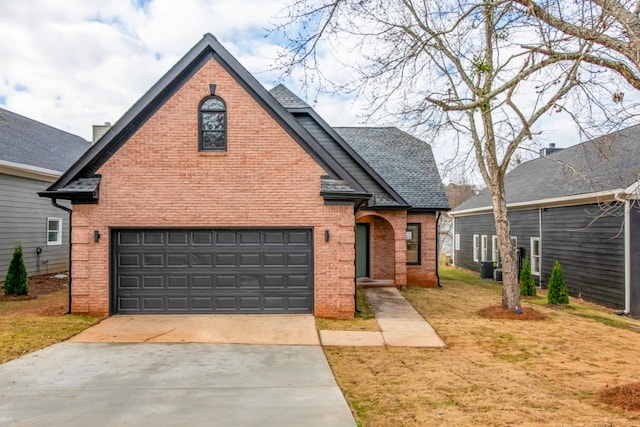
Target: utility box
x,y
486,270
497,275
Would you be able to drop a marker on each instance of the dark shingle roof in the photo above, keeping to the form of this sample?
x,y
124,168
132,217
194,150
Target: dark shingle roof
x,y
403,161
607,163
28,142
287,98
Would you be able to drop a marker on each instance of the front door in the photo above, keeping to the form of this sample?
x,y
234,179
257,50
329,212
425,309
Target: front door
x,y
362,250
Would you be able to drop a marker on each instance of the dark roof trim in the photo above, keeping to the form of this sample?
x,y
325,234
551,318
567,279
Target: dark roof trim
x,y
325,126
426,211
208,47
75,196
350,195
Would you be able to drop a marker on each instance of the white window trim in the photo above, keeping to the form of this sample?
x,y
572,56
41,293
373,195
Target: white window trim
x,y
484,242
58,240
476,248
495,253
534,271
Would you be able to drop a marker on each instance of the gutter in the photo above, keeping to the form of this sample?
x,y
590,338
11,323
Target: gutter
x,y
438,215
54,202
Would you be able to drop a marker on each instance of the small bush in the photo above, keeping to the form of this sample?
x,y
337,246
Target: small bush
x,y
557,289
527,282
16,280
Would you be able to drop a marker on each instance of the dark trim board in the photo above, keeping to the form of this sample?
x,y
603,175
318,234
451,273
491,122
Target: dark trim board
x,y
211,270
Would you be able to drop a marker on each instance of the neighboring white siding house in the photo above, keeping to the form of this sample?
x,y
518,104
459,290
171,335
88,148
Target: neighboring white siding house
x,y
32,156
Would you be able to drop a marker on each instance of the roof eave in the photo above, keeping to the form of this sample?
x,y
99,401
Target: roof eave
x,y
577,199
28,171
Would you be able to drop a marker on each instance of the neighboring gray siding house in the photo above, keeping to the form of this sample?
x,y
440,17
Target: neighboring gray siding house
x,y
32,156
578,206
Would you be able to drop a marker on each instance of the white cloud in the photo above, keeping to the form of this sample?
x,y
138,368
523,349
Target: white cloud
x,y
74,63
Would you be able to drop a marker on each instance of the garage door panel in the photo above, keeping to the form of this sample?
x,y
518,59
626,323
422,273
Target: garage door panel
x,y
153,238
202,238
129,260
177,282
249,238
153,260
274,237
249,260
298,260
225,238
298,238
131,238
226,282
228,260
202,282
201,259
177,260
299,281
153,282
213,271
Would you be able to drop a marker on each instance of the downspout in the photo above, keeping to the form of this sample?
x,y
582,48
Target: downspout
x,y
54,202
540,243
438,214
627,252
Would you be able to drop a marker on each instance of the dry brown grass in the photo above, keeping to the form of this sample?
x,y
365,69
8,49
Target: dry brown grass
x,y
35,322
493,372
363,321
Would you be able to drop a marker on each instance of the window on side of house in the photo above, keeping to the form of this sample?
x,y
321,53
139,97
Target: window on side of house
x,y
213,125
456,244
535,256
476,248
54,231
413,244
495,253
484,243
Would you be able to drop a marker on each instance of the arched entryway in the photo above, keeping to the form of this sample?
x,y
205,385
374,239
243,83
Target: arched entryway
x,y
375,248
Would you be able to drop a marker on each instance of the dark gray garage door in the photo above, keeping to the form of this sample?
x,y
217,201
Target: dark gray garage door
x,y
212,271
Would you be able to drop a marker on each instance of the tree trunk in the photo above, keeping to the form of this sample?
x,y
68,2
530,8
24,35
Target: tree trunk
x,y
510,289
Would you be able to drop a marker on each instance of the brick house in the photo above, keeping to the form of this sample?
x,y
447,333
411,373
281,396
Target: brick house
x,y
214,195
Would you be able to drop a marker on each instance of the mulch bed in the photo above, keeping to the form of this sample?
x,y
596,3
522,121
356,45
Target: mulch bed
x,y
38,285
626,396
497,312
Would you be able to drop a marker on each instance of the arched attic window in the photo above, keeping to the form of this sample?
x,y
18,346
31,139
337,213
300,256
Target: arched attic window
x,y
213,125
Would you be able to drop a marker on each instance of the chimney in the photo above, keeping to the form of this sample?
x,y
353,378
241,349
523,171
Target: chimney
x,y
549,150
99,130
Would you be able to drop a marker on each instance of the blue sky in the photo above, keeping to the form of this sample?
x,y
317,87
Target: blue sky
x,y
75,63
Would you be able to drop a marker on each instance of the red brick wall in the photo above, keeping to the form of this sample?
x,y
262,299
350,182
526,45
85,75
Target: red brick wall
x,y
159,179
425,273
388,245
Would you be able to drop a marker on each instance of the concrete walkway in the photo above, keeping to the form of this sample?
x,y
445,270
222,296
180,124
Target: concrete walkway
x,y
401,325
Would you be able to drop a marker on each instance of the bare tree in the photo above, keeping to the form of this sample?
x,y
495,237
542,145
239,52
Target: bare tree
x,y
454,68
613,26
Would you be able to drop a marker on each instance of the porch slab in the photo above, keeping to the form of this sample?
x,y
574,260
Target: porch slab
x,y
226,329
351,338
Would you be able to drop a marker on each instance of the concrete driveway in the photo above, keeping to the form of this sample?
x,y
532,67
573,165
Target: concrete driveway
x,y
166,384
